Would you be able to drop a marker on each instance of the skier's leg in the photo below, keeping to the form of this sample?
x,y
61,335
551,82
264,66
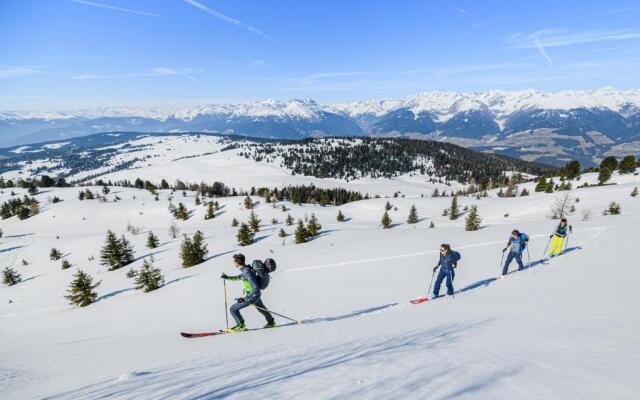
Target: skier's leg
x,y
450,283
556,245
235,312
505,269
436,288
263,310
518,257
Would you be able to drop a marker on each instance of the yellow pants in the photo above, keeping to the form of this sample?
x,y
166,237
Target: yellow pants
x,y
556,245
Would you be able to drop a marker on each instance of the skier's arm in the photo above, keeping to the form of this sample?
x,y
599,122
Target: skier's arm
x,y
231,278
507,246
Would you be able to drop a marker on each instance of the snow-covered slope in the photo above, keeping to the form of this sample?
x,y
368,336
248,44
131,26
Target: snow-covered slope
x,y
566,328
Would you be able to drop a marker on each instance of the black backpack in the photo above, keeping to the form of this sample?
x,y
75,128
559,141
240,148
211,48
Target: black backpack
x,y
262,270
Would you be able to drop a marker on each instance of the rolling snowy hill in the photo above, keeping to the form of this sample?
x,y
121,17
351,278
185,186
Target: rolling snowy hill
x,y
564,328
533,125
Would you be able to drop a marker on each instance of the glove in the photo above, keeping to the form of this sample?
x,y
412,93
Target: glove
x,y
505,249
435,268
224,276
570,229
241,300
550,236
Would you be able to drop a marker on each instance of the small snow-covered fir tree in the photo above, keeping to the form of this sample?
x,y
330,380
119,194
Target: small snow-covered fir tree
x,y
634,192
152,241
386,220
472,223
289,220
248,203
387,206
174,231
313,226
10,276
340,216
82,290
245,235
301,233
55,254
66,264
254,222
149,277
234,223
453,209
413,215
211,211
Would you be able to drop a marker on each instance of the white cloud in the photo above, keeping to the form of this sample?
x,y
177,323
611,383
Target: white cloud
x,y
11,71
563,37
227,19
152,72
114,8
543,51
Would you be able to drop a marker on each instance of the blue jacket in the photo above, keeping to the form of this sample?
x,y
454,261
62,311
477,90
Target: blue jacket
x,y
561,231
249,283
518,244
449,261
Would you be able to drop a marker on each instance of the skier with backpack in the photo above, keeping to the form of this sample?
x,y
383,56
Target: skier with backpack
x,y
516,245
447,262
559,237
254,279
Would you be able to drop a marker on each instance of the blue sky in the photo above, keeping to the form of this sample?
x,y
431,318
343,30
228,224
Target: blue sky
x,y
63,54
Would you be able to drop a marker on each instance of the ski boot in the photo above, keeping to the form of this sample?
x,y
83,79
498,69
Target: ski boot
x,y
237,328
271,324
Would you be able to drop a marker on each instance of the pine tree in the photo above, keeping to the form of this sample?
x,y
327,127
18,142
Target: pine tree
x,y
66,264
199,247
152,240
289,220
197,200
132,273
432,225
54,254
10,276
387,206
254,222
604,175
313,226
181,212
413,215
386,220
282,233
149,278
627,165
248,203
473,220
81,290
340,216
613,209
301,233
234,222
524,192
634,192
453,210
210,211
541,186
245,235
127,251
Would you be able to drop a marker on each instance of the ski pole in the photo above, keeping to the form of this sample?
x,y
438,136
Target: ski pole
x,y
529,257
545,249
297,321
566,244
432,275
501,260
226,309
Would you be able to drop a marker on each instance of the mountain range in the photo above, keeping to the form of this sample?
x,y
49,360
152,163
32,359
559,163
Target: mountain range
x,y
533,125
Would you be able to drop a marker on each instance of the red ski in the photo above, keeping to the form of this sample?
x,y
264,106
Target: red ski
x,y
201,334
419,300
